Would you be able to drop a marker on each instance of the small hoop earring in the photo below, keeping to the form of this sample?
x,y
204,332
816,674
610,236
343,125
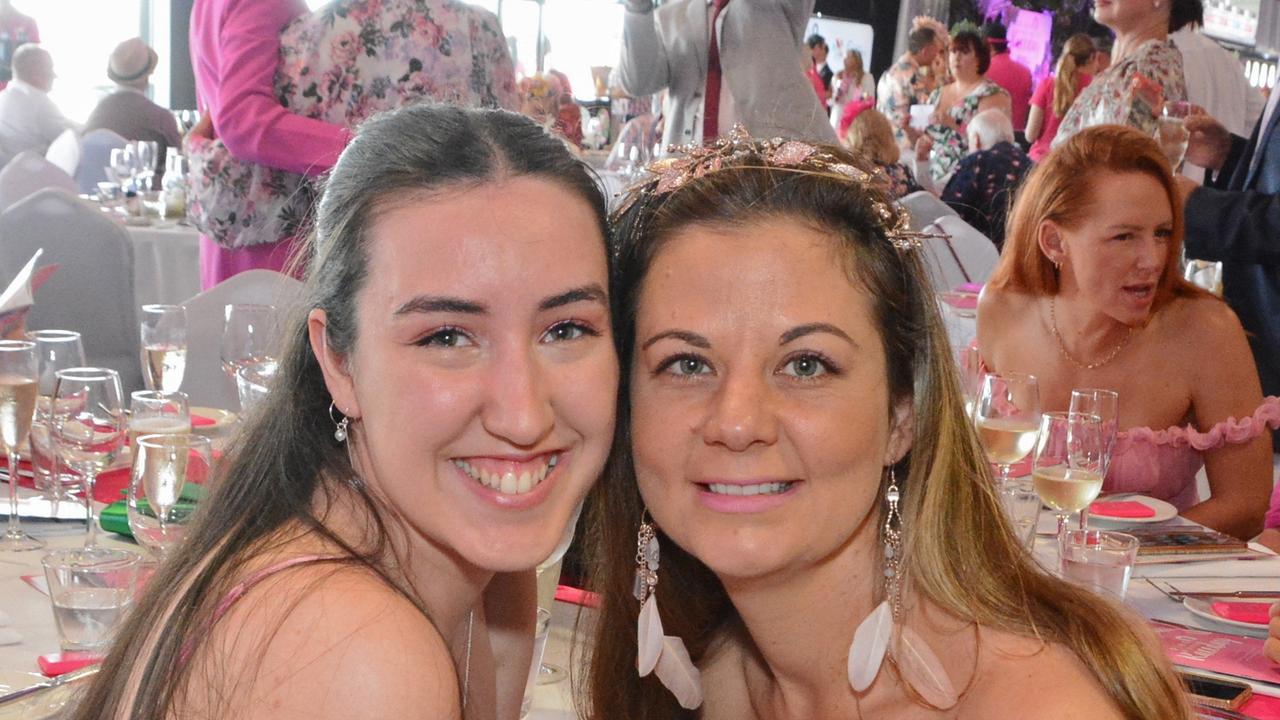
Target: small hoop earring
x,y
340,426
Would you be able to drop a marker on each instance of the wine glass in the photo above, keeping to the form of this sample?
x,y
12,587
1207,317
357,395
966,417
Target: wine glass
x,y
164,346
1105,405
157,505
1007,415
56,350
1172,133
1068,461
247,336
154,412
88,428
19,372
148,158
122,168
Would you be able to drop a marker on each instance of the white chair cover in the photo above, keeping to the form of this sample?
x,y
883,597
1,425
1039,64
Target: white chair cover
x,y
95,157
966,257
28,172
924,208
204,382
92,291
64,151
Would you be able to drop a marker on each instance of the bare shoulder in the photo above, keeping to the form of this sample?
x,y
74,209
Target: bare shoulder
x,y
1208,317
1022,677
318,640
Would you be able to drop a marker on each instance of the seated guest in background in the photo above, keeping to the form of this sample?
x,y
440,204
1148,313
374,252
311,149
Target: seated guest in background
x,y
1054,94
908,83
1009,74
439,413
867,133
800,474
1145,67
986,180
16,30
958,101
128,111
29,120
1088,294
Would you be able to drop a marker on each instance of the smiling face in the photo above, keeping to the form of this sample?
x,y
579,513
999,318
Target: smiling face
x,y
483,376
760,420
1115,256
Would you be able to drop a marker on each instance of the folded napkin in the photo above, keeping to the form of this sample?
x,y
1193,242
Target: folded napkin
x,y
58,663
1254,613
1122,509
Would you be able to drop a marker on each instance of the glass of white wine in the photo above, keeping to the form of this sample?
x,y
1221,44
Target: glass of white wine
x,y
152,412
1067,470
1007,415
164,346
88,428
19,372
57,350
248,336
1105,405
158,506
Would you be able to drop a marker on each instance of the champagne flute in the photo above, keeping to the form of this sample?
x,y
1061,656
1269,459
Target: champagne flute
x,y
163,466
152,412
57,350
1172,134
247,336
1067,466
19,371
148,156
88,428
1007,415
548,579
164,346
1105,405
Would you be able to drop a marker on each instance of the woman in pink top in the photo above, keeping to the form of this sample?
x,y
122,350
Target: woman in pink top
x,y
1054,94
235,49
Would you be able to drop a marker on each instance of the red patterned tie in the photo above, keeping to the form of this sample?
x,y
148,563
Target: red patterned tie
x,y
711,109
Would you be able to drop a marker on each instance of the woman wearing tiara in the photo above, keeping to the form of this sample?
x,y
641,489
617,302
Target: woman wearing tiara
x,y
799,521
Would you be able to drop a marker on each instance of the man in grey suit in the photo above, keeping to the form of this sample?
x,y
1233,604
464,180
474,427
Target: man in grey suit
x,y
758,45
128,111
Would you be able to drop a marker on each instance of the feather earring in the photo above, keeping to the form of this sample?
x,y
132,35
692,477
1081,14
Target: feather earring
x,y
884,633
655,650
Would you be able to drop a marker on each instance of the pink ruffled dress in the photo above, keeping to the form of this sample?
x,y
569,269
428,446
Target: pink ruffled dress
x,y
1163,463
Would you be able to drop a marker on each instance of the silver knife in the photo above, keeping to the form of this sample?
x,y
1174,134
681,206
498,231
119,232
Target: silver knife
x,y
59,681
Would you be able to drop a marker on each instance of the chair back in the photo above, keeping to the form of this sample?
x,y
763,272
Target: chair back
x,y
92,291
924,208
29,172
205,382
64,151
95,157
965,256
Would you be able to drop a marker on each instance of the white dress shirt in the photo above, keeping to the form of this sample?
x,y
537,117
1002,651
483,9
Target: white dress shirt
x,y
28,120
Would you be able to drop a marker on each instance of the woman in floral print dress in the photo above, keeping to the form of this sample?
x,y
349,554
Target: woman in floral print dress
x,y
957,102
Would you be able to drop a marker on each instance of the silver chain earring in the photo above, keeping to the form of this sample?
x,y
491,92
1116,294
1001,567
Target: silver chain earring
x,y
340,426
893,548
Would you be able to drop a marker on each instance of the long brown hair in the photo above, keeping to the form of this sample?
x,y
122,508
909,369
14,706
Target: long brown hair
x,y
1059,188
285,462
1076,53
947,493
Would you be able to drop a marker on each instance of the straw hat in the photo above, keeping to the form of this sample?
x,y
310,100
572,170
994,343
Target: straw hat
x,y
131,61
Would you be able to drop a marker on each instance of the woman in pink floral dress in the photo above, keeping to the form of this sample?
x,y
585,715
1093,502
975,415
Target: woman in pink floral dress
x,y
958,101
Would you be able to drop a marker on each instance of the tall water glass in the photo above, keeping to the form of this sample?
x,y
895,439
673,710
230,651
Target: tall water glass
x,y
248,336
1067,466
88,428
18,375
158,507
164,346
1105,405
57,350
1007,416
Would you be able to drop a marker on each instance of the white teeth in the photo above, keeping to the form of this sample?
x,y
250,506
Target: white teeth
x,y
509,483
759,489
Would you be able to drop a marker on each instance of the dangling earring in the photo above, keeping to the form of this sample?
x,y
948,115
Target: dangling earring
x,y
655,650
884,633
340,426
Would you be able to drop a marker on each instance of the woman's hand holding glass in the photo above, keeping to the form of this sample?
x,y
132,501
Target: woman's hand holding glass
x,y
1007,416
88,428
160,499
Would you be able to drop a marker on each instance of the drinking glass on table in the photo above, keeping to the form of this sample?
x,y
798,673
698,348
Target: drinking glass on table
x,y
148,161
1007,416
90,592
152,412
18,376
123,166
88,428
56,350
1105,405
1067,470
164,346
162,468
248,336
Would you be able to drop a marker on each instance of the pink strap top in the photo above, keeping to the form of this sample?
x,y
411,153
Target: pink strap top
x,y
1164,463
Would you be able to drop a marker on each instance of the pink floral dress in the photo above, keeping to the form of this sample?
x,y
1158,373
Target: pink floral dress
x,y
1111,100
950,145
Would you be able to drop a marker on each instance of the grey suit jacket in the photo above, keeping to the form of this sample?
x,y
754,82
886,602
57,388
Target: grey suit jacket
x,y
760,45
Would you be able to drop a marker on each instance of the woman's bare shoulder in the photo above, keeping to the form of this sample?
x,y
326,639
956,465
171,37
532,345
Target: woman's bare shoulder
x,y
1024,677
1204,316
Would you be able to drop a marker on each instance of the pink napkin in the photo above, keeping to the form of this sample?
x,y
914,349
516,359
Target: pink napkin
x,y
1254,613
1123,509
202,421
1262,707
961,301
57,663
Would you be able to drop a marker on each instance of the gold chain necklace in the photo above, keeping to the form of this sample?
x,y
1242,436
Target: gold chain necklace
x,y
1062,347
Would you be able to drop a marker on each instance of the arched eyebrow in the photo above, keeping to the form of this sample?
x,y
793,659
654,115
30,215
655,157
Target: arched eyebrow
x,y
587,293
692,338
800,331
592,292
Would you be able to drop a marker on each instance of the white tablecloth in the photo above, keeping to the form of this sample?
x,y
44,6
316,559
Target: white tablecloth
x,y
166,263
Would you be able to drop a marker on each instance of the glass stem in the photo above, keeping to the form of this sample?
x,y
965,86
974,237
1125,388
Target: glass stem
x,y
1062,523
91,536
1084,519
15,528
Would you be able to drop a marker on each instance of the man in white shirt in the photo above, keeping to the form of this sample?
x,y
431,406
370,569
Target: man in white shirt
x,y
28,118
1216,82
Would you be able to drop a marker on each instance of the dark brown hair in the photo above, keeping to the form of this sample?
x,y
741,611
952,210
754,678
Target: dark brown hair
x,y
969,41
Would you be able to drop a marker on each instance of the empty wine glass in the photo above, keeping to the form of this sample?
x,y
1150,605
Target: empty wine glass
x,y
56,350
19,371
248,336
1105,405
1007,416
88,428
1068,462
164,346
159,503
148,159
